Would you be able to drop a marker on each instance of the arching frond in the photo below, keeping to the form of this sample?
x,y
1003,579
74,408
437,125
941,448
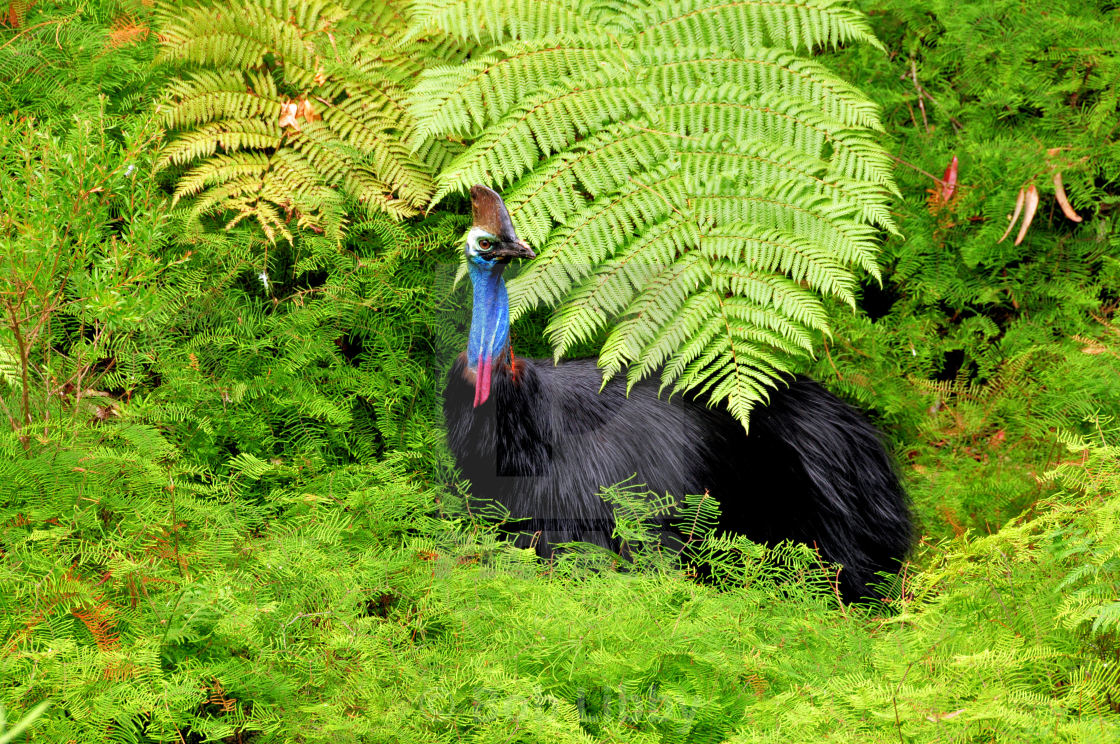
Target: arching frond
x,y
460,100
321,80
547,123
591,236
760,69
491,22
805,25
691,179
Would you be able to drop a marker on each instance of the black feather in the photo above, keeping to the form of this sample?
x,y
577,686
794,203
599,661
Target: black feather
x,y
812,469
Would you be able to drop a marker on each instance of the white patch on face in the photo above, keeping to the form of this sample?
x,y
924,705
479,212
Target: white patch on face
x,y
476,234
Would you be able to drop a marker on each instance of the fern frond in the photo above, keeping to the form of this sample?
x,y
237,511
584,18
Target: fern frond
x,y
544,124
228,135
686,172
590,236
606,295
206,96
498,21
805,25
753,247
659,299
222,169
759,69
461,100
791,208
310,79
595,166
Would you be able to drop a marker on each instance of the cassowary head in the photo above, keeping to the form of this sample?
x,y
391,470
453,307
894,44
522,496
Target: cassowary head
x,y
491,244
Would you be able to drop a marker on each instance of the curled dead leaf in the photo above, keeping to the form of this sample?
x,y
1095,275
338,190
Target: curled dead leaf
x,y
289,115
949,181
1014,215
306,110
1060,189
940,197
1030,204
1063,200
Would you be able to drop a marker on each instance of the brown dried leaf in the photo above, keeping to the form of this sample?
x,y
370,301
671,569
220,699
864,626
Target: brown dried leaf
x,y
306,110
1063,200
1014,215
1030,205
289,115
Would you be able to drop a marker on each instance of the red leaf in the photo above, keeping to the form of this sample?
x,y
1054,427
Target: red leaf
x,y
949,181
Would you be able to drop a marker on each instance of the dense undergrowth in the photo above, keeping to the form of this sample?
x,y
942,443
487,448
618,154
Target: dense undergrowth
x,y
227,513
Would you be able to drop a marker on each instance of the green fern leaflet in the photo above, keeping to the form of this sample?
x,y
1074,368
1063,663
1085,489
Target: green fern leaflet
x,y
694,182
295,111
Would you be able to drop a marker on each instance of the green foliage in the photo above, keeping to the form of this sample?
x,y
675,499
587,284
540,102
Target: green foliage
x,y
80,231
1000,87
209,617
62,56
975,348
11,733
223,502
312,354
293,111
693,180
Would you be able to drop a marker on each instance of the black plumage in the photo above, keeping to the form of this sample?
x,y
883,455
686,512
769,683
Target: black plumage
x,y
812,469
542,440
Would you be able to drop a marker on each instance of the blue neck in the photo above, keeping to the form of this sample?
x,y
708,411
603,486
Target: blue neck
x,y
490,316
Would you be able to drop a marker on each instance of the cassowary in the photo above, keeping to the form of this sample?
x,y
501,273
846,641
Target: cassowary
x,y
542,440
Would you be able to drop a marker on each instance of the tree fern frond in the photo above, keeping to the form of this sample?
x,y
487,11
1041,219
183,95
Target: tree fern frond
x,y
498,21
593,235
759,69
791,208
206,96
657,302
460,100
774,292
686,172
594,167
754,247
606,295
321,84
753,162
229,135
748,115
220,169
804,25
240,35
542,125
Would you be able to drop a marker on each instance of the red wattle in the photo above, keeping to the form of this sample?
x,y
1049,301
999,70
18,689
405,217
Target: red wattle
x,y
482,381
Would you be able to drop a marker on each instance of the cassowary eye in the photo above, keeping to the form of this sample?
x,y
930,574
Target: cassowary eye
x,y
484,244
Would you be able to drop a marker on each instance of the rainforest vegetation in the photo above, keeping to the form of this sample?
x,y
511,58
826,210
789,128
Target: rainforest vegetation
x,y
231,286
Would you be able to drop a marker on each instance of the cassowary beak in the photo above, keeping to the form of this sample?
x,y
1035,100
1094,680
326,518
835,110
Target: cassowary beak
x,y
516,249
